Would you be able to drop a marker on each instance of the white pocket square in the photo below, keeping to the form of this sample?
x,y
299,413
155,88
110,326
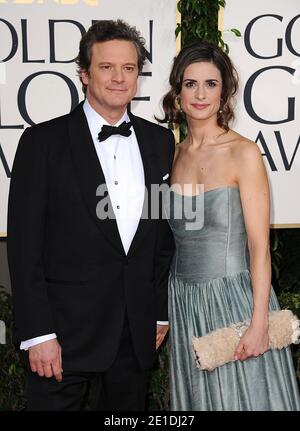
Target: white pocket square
x,y
165,177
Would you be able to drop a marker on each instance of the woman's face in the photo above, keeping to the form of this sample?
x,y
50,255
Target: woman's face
x,y
201,91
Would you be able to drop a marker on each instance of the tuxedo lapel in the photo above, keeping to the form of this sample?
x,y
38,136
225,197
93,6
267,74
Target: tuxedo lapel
x,y
90,174
144,142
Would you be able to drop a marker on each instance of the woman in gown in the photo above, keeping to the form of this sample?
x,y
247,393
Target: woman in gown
x,y
221,273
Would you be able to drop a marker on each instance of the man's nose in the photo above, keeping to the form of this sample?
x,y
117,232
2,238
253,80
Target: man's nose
x,y
118,75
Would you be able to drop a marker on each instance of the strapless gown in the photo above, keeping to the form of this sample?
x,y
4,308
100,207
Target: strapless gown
x,y
209,288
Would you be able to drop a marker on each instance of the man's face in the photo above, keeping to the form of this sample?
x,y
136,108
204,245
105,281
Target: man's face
x,y
112,78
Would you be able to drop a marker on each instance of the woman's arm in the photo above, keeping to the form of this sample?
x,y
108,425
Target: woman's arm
x,y
255,199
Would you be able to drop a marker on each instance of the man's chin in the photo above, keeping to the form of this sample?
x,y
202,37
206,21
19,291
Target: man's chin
x,y
120,105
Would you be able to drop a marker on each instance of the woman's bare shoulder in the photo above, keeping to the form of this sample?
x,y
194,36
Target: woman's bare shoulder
x,y
244,148
181,145
178,148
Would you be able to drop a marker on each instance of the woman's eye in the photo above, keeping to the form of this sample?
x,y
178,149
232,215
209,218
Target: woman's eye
x,y
190,84
211,83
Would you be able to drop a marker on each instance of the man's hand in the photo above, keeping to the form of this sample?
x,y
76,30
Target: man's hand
x,y
161,331
45,359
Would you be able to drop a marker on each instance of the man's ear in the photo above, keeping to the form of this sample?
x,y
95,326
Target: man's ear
x,y
85,77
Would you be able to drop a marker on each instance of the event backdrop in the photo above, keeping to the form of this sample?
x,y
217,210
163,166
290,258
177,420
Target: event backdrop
x,y
267,57
39,41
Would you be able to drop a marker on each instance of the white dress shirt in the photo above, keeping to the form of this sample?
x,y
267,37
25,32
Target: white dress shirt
x,y
122,166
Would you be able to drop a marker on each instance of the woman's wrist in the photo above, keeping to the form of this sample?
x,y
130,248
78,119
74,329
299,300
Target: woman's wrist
x,y
260,320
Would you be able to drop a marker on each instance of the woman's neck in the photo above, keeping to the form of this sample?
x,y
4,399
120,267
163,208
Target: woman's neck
x,y
203,132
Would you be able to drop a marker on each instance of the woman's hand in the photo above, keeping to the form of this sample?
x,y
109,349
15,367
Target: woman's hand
x,y
254,342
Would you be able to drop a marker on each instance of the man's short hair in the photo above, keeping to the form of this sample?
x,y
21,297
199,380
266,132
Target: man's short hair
x,y
104,31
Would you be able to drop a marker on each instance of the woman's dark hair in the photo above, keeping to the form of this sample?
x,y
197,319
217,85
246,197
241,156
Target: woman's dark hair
x,y
104,31
194,53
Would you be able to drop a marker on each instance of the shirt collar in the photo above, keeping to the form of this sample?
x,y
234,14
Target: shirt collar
x,y
95,121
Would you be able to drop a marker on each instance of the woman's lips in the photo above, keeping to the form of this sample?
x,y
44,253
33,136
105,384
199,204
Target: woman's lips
x,y
200,106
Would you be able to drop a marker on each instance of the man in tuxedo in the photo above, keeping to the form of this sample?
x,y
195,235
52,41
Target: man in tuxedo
x,y
89,281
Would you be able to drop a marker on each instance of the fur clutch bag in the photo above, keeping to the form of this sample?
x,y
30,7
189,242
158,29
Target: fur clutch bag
x,y
218,347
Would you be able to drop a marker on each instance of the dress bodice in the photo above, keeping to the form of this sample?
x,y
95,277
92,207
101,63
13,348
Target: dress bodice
x,y
215,243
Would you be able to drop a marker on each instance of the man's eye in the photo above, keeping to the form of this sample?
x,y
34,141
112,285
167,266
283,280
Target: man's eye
x,y
129,68
105,67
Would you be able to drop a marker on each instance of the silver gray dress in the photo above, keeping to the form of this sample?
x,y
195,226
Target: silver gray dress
x,y
209,288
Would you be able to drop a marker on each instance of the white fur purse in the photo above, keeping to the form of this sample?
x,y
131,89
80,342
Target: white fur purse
x,y
218,347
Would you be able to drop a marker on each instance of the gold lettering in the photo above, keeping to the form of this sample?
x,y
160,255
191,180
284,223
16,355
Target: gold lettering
x,y
23,1
62,2
66,1
91,2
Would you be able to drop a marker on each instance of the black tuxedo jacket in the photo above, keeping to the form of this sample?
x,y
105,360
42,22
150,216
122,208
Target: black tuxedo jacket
x,y
69,272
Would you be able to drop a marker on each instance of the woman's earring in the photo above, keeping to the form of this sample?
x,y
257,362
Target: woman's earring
x,y
221,107
220,111
221,115
178,106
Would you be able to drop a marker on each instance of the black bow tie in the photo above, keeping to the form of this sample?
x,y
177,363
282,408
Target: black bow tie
x,y
107,131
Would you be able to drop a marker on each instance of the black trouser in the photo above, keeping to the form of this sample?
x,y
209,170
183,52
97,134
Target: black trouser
x,y
122,387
